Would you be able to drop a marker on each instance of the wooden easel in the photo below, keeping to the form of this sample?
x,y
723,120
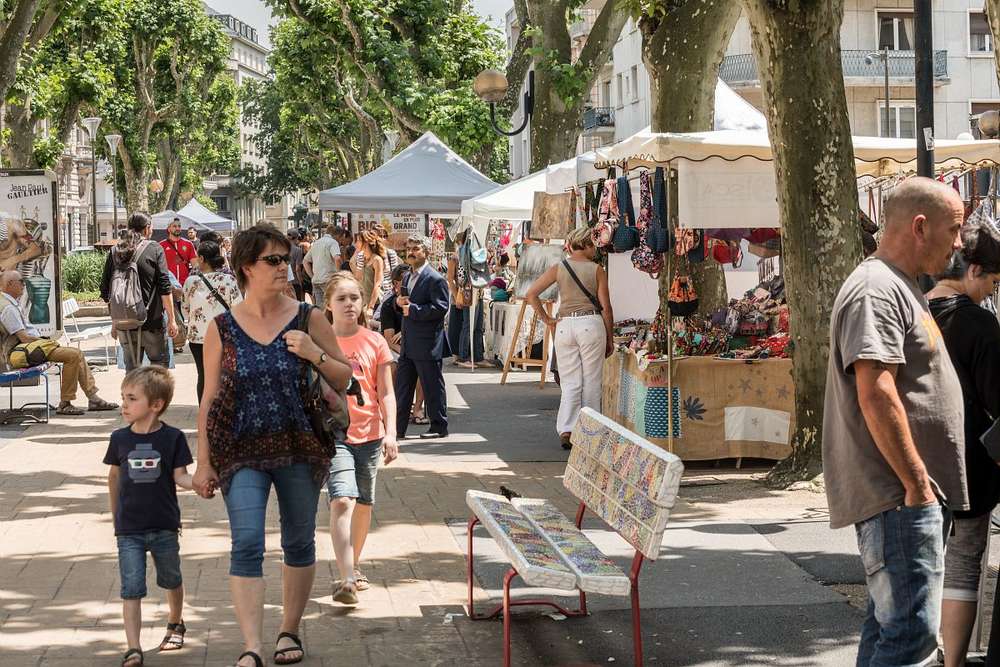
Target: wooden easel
x,y
528,361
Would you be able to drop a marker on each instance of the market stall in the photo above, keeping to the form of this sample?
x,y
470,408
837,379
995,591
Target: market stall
x,y
194,214
717,386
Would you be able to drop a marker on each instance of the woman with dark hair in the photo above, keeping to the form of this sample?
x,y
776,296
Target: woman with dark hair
x,y
256,433
972,336
207,294
372,250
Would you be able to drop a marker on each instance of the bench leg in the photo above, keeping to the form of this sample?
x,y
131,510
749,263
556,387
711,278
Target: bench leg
x,y
636,622
473,522
506,615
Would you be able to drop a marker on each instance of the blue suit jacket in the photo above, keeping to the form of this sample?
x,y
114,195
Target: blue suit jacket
x,y
423,328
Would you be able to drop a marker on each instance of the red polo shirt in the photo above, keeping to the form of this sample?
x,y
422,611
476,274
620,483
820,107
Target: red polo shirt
x,y
179,254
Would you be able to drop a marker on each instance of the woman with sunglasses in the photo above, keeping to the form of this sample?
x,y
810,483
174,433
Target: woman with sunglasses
x,y
256,433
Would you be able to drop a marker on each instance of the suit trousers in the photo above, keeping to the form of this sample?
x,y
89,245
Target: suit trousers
x,y
432,378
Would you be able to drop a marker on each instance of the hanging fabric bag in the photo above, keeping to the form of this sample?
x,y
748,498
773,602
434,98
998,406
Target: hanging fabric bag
x,y
626,236
682,299
608,211
647,261
658,234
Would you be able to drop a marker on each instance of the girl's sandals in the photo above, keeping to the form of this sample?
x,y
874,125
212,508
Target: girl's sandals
x,y
346,593
361,581
129,659
419,420
279,654
257,661
174,639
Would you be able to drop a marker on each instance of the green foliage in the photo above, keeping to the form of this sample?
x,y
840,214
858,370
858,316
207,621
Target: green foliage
x,y
83,297
571,80
340,84
82,271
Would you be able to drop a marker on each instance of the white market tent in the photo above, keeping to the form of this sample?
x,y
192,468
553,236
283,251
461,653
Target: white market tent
x,y
425,177
194,214
874,156
515,200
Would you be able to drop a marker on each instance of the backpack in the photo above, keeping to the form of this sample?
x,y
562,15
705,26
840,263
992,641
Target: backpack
x,y
125,303
475,262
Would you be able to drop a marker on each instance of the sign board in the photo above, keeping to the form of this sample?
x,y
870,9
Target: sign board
x,y
716,193
395,228
552,216
29,243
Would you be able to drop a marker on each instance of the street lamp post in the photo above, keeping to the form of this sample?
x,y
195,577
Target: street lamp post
x,y
92,123
883,55
491,86
113,141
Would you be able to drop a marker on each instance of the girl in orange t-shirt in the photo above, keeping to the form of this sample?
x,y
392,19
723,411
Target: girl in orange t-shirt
x,y
372,434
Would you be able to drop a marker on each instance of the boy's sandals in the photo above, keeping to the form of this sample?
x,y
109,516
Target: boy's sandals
x,y
174,639
361,581
279,654
256,659
67,408
129,659
346,593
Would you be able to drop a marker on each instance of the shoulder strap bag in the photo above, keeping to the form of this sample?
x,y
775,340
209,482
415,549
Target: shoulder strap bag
x,y
572,274
327,411
215,292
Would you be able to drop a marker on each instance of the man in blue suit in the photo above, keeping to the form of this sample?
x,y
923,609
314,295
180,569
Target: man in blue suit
x,y
424,301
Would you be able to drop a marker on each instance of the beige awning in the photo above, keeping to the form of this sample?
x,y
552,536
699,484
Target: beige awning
x,y
874,156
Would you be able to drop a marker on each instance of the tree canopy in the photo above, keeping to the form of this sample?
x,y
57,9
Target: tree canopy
x,y
349,74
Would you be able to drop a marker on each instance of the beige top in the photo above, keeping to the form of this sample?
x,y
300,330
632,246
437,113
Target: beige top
x,y
571,299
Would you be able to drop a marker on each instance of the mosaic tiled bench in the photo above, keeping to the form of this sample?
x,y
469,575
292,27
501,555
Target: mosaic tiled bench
x,y
625,480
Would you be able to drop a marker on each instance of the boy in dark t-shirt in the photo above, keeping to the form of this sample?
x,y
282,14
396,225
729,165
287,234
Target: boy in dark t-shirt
x,y
148,461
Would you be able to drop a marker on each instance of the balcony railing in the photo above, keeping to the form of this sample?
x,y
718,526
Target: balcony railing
x,y
902,64
598,117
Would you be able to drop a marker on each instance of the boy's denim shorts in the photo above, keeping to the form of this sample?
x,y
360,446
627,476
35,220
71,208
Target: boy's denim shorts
x,y
166,551
352,471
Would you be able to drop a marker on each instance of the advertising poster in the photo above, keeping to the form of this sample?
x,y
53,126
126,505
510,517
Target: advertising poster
x,y
394,228
28,243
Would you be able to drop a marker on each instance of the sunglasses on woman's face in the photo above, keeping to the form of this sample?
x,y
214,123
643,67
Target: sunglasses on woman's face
x,y
275,260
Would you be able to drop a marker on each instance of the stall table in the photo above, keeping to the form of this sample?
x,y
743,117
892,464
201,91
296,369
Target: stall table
x,y
722,408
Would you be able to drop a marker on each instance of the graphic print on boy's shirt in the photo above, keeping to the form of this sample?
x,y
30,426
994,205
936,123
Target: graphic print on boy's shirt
x,y
147,493
144,464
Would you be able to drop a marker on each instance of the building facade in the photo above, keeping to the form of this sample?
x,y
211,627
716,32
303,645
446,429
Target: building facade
x,y
965,75
247,62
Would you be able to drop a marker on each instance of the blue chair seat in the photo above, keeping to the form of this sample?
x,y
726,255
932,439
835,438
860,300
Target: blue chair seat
x,y
20,413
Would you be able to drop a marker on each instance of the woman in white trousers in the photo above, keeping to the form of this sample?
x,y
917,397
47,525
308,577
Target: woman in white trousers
x,y
583,328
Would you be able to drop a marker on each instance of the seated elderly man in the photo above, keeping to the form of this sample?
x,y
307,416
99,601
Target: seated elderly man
x,y
74,366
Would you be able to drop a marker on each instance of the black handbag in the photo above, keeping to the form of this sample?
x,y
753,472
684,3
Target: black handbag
x,y
626,235
327,410
658,234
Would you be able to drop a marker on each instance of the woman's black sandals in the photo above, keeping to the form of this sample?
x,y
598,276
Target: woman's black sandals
x,y
174,639
279,654
256,658
130,655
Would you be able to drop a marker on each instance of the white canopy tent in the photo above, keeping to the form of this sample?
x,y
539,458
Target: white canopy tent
x,y
515,200
426,177
194,214
874,156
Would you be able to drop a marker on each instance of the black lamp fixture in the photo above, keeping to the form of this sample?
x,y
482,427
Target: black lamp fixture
x,y
491,86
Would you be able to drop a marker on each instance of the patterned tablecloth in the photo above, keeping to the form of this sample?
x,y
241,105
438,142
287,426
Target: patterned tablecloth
x,y
721,408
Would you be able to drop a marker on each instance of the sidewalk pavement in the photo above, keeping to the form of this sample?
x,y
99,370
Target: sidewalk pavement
x,y
744,577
